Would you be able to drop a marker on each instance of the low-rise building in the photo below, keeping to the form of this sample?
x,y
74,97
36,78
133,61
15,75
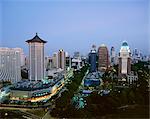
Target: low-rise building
x,y
132,77
36,91
76,63
92,80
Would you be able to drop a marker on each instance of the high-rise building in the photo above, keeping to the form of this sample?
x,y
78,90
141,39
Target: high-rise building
x,y
61,59
136,52
124,59
22,56
112,56
76,61
27,61
48,62
36,58
116,59
55,60
10,64
103,58
76,55
136,56
68,61
92,59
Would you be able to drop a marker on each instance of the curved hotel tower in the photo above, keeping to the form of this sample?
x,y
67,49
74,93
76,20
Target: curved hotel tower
x,y
124,59
10,64
36,58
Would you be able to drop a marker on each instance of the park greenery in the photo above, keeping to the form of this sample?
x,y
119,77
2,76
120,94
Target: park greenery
x,y
63,103
135,96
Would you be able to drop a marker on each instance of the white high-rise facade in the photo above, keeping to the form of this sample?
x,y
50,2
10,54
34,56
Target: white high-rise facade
x,y
124,59
10,64
36,58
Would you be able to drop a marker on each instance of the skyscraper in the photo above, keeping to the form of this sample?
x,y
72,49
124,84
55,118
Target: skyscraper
x,y
10,64
136,56
92,59
36,58
55,60
76,62
124,59
112,56
68,61
103,58
61,59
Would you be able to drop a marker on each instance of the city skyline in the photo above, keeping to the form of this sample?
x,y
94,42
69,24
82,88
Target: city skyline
x,y
75,26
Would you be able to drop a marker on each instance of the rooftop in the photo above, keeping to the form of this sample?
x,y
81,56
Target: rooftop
x,y
124,43
36,38
93,75
27,85
103,45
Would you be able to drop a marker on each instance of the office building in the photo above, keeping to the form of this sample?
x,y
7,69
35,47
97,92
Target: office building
x,y
103,58
76,55
92,59
112,56
68,61
61,59
136,52
10,64
48,63
27,61
136,56
55,60
36,58
124,59
76,61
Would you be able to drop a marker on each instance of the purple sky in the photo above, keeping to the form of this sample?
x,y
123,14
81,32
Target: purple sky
x,y
75,25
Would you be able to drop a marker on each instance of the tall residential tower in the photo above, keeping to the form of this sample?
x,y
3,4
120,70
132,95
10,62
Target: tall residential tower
x,y
10,64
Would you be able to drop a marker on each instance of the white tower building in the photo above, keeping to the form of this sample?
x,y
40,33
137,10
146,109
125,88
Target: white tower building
x,y
36,58
124,59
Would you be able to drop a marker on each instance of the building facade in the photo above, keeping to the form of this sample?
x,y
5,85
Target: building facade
x,y
36,58
112,56
124,59
55,60
132,77
76,61
68,61
10,64
61,59
92,59
103,58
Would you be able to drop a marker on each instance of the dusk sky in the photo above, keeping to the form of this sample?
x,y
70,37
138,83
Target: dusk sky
x,y
75,25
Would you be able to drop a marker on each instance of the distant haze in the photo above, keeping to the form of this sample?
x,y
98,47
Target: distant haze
x,y
75,25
